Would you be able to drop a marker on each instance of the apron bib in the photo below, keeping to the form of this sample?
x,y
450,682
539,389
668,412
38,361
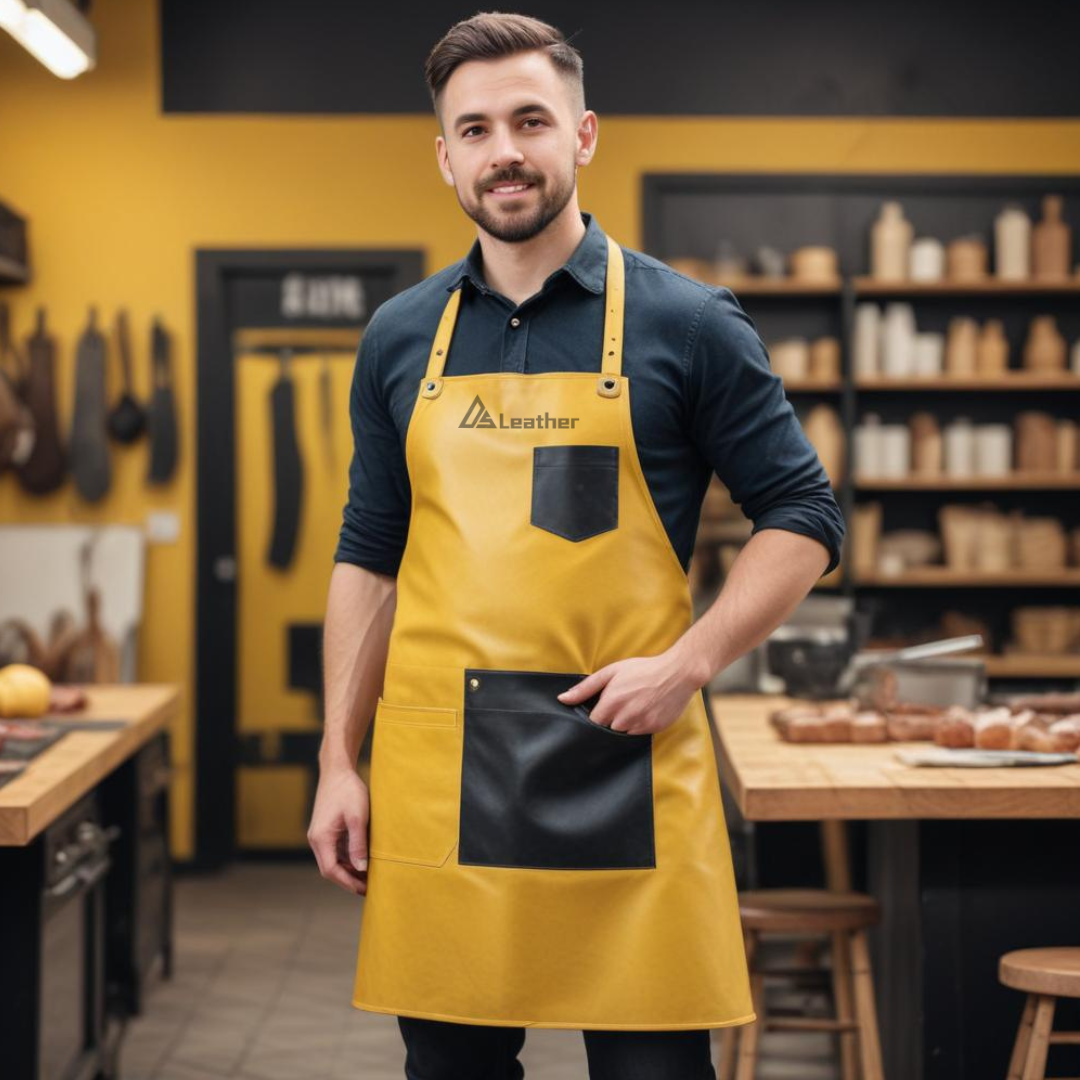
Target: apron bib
x,y
527,866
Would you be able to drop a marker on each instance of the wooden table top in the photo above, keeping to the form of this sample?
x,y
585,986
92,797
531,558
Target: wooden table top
x,y
772,780
62,774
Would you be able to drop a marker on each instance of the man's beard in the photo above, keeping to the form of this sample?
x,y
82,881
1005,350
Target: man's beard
x,y
521,226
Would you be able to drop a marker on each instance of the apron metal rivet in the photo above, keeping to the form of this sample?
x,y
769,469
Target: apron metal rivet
x,y
431,386
438,352
474,684
609,384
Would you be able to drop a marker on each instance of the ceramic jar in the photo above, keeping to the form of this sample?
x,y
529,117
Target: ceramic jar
x,y
962,346
815,265
895,451
790,358
992,356
1012,245
959,439
993,450
1044,349
1036,442
1051,242
1067,442
927,260
868,446
890,243
898,341
929,355
966,259
865,340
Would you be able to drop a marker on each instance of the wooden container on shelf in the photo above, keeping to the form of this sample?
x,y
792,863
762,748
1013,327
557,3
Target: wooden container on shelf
x,y
1044,349
926,444
825,431
825,358
1036,441
1051,243
1045,630
992,357
959,535
966,260
698,269
962,346
890,243
994,550
865,535
1040,543
816,264
1068,460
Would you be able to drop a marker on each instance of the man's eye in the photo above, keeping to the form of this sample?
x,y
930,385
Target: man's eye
x,y
534,120
467,130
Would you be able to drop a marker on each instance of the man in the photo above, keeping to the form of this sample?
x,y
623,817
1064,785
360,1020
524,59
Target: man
x,y
535,428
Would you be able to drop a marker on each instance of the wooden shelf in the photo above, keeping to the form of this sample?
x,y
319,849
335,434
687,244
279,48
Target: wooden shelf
x,y
1033,666
942,576
1013,482
813,386
1020,380
762,286
868,286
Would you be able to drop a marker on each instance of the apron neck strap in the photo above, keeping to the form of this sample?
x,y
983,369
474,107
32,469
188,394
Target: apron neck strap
x,y
614,297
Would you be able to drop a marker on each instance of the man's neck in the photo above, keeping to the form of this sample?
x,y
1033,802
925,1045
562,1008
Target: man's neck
x,y
519,270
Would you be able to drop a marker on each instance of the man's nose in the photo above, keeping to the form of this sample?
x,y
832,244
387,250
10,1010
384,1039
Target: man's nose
x,y
505,151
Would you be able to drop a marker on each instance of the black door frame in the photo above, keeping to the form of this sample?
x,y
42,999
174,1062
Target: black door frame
x,y
215,679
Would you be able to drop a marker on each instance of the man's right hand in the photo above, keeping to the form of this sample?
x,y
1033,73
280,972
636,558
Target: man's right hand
x,y
338,833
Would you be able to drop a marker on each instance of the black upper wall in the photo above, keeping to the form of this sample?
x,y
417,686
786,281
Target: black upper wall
x,y
681,57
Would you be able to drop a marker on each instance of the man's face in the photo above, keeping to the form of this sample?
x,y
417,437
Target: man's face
x,y
512,143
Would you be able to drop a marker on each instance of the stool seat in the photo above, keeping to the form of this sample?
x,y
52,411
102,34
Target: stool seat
x,y
1054,972
807,910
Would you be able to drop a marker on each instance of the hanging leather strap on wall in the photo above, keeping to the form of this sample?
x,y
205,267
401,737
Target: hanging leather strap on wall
x,y
288,469
89,445
46,467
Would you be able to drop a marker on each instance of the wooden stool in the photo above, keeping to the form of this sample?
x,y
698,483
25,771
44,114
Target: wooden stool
x,y
844,917
1046,975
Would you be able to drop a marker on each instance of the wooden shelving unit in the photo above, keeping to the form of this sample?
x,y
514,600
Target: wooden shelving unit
x,y
1013,482
688,216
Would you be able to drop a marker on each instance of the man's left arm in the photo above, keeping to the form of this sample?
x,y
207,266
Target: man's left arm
x,y
746,429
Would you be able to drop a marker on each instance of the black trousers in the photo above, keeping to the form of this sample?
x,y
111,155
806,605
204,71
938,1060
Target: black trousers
x,y
437,1050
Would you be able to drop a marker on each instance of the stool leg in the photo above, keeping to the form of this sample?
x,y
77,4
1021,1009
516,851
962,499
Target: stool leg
x,y
841,973
1023,1040
1035,1067
865,1008
729,1049
748,1039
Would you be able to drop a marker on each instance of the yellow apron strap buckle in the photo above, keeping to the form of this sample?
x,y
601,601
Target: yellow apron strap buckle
x,y
441,345
613,312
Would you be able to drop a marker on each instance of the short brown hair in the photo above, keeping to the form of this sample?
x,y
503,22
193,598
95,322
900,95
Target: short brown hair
x,y
491,35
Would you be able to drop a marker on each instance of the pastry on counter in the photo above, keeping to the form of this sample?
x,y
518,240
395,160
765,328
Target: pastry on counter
x,y
957,729
994,728
868,726
913,723
1065,734
1055,702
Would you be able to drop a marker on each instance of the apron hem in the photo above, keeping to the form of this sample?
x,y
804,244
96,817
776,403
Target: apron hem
x,y
749,1018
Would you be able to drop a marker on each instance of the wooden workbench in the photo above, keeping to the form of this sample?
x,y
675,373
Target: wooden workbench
x,y
773,780
80,760
967,865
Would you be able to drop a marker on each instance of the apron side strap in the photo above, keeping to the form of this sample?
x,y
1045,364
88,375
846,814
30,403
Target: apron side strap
x,y
615,292
441,345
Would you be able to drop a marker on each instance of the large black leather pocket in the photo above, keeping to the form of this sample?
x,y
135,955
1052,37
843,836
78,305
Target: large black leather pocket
x,y
575,490
543,786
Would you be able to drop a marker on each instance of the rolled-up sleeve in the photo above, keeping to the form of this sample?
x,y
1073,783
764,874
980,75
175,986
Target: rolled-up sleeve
x,y
375,521
745,427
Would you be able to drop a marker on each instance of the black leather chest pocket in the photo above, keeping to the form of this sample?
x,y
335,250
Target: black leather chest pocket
x,y
575,490
545,787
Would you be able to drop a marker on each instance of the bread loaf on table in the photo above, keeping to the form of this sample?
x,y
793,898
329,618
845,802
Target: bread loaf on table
x,y
913,723
869,726
957,729
1065,734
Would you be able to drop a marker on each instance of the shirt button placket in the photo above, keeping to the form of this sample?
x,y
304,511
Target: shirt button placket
x,y
517,336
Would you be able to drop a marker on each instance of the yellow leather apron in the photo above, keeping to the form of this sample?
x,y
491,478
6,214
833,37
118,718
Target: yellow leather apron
x,y
528,866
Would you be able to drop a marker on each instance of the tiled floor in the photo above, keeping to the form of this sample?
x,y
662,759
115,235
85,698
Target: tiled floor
x,y
265,956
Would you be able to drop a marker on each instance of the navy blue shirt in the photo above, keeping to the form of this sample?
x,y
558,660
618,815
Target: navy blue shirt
x,y
703,397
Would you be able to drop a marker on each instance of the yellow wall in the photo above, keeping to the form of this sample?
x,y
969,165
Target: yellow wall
x,y
120,196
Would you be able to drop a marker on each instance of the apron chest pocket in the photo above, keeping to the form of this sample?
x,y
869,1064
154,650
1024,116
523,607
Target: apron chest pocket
x,y
543,786
575,490
414,756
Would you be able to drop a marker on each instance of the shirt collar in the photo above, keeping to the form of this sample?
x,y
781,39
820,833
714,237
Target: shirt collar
x,y
587,265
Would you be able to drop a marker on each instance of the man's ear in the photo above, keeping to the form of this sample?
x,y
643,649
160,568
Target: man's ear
x,y
588,133
443,159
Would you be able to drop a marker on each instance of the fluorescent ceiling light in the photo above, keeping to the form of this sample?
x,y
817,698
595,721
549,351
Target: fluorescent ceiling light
x,y
55,31
12,12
